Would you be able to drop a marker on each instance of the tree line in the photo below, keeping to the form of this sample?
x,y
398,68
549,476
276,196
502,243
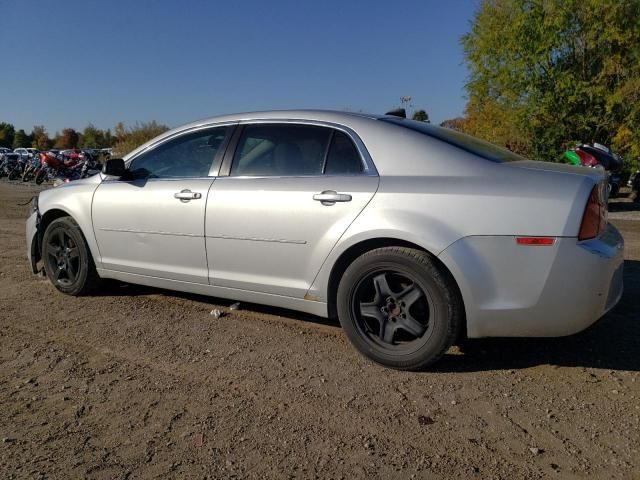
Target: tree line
x,y
122,140
547,74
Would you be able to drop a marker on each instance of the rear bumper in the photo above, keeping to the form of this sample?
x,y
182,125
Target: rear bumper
x,y
511,290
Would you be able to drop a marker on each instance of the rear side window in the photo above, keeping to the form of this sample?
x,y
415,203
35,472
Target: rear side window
x,y
474,145
280,150
343,157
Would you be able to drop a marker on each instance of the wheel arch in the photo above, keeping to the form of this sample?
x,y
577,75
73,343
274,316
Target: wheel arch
x,y
45,220
354,251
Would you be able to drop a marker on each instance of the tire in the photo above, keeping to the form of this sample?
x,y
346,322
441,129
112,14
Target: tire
x,y
14,174
399,308
71,269
27,174
40,175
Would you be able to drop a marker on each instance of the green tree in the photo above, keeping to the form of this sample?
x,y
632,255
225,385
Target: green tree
x,y
7,132
93,137
546,73
40,139
21,139
454,124
68,139
421,116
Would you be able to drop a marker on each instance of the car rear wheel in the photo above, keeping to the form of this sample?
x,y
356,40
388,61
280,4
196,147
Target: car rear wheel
x,y
67,259
399,308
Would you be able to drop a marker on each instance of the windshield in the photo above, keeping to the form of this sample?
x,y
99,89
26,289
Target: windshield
x,y
483,149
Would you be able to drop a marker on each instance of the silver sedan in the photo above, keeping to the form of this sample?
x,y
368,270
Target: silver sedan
x,y
410,234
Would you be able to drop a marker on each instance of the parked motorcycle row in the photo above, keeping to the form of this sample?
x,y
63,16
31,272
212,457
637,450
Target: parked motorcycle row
x,y
52,165
598,156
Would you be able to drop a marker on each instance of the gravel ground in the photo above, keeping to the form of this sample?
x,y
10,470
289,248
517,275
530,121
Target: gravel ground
x,y
144,383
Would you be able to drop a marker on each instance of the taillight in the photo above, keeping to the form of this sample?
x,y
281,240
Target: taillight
x,y
594,219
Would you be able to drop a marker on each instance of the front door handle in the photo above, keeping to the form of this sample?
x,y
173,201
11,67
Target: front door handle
x,y
186,195
329,197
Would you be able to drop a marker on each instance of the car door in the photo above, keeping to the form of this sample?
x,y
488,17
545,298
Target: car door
x,y
151,221
290,193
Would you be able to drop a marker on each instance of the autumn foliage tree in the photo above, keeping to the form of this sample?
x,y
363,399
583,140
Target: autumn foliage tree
x,y
130,138
68,139
548,73
40,139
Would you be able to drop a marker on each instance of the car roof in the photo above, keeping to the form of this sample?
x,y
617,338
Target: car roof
x,y
322,115
330,116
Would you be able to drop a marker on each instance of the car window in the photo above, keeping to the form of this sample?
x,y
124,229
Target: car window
x,y
280,150
189,155
343,157
478,147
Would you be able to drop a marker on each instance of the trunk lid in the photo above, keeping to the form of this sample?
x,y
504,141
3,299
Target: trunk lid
x,y
597,174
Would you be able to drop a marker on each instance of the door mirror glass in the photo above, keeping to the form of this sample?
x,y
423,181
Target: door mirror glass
x,y
114,167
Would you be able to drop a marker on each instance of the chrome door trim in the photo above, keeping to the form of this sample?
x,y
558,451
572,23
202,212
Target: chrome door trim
x,y
258,239
365,158
150,232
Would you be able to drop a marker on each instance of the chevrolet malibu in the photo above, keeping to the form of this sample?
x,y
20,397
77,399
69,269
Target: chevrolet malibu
x,y
410,234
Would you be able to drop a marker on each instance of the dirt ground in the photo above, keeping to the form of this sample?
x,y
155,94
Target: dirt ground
x,y
144,383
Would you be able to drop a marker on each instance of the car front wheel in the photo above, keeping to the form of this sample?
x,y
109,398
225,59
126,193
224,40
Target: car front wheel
x,y
67,259
399,307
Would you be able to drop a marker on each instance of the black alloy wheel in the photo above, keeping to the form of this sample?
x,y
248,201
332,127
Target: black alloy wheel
x,y
399,307
67,259
392,311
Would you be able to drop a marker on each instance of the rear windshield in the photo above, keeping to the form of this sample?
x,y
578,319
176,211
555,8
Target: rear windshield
x,y
468,143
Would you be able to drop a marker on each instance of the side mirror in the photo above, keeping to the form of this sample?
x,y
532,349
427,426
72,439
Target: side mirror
x,y
114,167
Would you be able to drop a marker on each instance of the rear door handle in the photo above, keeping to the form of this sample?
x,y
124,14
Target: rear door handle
x,y
329,197
186,195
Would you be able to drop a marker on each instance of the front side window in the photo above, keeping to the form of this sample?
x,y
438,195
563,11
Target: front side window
x,y
280,150
189,155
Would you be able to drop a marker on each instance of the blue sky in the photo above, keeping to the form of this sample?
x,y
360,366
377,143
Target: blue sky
x,y
68,63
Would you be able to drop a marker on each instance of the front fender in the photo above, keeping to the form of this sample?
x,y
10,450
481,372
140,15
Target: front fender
x,y
73,199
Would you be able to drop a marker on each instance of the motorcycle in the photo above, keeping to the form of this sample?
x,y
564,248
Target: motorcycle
x,y
31,168
598,156
67,166
12,165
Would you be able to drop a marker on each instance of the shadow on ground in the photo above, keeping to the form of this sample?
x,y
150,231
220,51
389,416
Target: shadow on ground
x,y
613,343
615,207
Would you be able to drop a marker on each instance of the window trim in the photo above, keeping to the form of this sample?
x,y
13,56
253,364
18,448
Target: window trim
x,y
217,160
328,149
369,168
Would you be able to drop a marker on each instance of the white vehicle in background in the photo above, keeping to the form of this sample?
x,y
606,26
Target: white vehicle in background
x,y
26,153
4,150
